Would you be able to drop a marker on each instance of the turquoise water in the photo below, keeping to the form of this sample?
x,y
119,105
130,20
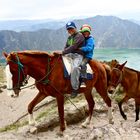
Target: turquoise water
x,y
132,56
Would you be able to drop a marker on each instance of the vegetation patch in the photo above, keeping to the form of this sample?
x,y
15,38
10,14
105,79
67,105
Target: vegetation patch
x,y
52,109
14,126
2,74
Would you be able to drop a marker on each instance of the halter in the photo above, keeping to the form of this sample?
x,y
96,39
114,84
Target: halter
x,y
120,78
20,69
43,80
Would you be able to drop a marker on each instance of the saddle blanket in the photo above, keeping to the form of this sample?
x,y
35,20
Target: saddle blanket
x,y
68,68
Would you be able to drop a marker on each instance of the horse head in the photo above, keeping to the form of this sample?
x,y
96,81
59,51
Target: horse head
x,y
115,78
15,74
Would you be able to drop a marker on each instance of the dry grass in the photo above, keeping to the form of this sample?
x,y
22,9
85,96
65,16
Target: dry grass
x,y
2,77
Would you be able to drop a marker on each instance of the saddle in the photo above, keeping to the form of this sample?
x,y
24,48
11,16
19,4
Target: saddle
x,y
68,69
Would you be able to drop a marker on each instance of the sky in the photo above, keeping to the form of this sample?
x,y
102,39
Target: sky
x,y
60,9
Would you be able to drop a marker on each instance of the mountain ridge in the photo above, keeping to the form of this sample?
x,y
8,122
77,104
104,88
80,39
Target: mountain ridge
x,y
108,31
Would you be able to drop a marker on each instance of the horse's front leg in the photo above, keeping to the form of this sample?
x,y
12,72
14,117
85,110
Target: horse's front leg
x,y
39,97
60,103
125,99
91,104
137,110
121,111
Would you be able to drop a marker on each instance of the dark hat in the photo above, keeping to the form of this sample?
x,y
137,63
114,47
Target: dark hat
x,y
70,25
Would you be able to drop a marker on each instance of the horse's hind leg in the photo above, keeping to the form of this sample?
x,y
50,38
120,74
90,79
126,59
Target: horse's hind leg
x,y
39,97
108,102
91,104
103,94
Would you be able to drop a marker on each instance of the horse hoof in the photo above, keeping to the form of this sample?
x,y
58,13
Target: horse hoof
x,y
60,134
111,122
33,123
66,137
33,130
84,125
125,117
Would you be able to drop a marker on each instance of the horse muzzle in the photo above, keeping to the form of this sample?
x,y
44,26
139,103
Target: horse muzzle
x,y
111,90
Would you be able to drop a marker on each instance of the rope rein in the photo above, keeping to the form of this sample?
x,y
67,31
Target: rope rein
x,y
46,81
20,67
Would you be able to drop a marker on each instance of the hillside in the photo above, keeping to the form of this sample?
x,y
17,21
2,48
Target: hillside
x,y
108,31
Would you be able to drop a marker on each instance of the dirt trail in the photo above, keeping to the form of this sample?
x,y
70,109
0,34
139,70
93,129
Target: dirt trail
x,y
99,129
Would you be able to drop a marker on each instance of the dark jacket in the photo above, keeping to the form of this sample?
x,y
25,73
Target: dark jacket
x,y
88,47
74,42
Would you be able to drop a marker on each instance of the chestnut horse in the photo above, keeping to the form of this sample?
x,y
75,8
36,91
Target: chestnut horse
x,y
129,79
47,70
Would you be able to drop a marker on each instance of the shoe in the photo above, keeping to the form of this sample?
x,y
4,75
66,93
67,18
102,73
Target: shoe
x,y
83,85
74,94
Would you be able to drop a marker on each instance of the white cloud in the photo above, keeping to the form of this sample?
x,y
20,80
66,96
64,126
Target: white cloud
x,y
30,9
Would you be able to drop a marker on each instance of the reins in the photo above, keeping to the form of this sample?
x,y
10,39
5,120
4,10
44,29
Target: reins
x,y
46,81
66,98
20,68
48,72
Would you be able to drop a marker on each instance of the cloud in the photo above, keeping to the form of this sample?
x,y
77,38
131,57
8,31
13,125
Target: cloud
x,y
31,9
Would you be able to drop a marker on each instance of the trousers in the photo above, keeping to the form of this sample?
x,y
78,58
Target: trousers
x,y
84,68
75,59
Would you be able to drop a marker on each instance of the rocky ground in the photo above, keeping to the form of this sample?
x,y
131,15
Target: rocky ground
x,y
11,109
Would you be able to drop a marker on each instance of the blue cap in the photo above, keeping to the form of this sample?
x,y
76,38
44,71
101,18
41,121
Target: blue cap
x,y
70,25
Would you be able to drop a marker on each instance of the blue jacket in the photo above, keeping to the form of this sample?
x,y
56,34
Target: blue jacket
x,y
88,47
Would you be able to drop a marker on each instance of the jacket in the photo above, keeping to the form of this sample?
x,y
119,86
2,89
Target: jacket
x,y
74,42
88,47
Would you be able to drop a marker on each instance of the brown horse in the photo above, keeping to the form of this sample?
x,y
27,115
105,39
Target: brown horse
x,y
129,79
47,70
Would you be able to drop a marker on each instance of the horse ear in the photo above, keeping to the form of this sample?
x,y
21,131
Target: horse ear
x,y
122,65
5,54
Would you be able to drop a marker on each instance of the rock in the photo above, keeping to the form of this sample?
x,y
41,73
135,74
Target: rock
x,y
96,134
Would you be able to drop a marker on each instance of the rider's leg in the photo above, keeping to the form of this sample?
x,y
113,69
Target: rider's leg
x,y
83,71
77,59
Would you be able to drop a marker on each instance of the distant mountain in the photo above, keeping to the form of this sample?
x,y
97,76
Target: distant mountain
x,y
108,31
114,32
136,21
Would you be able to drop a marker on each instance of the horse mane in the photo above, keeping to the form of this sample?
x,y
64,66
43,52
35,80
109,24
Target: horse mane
x,y
36,53
33,53
128,68
132,70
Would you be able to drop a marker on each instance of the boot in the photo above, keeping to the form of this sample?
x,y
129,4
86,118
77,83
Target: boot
x,y
74,93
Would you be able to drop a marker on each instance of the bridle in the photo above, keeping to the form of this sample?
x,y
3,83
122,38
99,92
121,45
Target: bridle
x,y
120,78
20,70
43,80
